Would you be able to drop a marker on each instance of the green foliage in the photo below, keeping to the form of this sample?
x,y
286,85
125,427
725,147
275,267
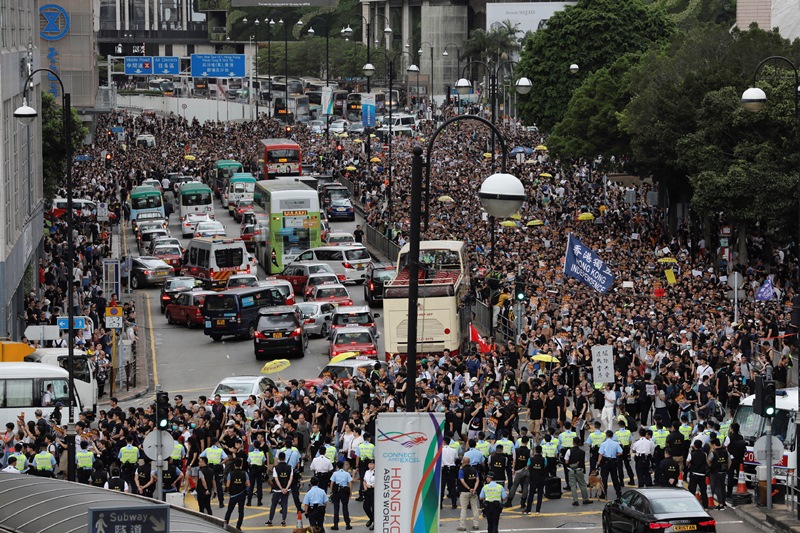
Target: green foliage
x,y
593,34
501,41
692,11
54,166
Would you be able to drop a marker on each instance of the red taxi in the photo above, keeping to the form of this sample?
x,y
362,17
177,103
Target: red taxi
x,y
187,308
171,255
335,293
354,339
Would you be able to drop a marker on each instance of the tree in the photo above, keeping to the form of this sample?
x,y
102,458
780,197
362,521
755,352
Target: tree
x,y
593,34
500,41
54,167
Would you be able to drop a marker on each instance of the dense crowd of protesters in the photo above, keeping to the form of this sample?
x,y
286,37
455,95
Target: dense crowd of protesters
x,y
681,364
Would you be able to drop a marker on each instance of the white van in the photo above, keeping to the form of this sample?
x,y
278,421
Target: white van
x,y
349,262
399,120
85,382
214,259
146,140
24,389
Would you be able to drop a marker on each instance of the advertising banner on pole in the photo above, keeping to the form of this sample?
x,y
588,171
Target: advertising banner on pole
x,y
327,101
408,471
368,110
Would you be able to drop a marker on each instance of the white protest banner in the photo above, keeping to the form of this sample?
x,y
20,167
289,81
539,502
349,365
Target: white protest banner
x,y
603,364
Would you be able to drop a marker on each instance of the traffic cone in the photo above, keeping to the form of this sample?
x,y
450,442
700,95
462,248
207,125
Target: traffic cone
x,y
741,487
709,494
680,480
299,520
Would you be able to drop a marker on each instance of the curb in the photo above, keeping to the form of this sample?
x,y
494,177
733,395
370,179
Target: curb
x,y
761,520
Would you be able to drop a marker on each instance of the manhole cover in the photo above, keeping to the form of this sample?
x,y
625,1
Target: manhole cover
x,y
576,525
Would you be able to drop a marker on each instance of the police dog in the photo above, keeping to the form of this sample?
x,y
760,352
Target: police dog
x,y
595,484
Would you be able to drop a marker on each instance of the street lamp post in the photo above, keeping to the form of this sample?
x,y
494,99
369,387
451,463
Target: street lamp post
x,y
327,68
27,115
419,52
369,70
753,100
458,69
256,23
348,31
501,195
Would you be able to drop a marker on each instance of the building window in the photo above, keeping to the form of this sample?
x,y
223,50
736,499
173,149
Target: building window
x,y
167,49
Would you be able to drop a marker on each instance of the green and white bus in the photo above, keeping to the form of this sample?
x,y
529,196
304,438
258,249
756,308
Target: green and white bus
x,y
293,222
195,197
146,199
224,169
240,187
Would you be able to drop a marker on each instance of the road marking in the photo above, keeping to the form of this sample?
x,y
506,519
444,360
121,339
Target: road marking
x,y
152,340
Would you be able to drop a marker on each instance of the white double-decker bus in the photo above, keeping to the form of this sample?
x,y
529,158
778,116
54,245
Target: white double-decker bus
x,y
442,319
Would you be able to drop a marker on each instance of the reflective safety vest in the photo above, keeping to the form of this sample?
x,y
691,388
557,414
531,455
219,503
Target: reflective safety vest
x,y
549,449
484,447
686,430
493,492
507,445
724,429
597,438
256,458
624,437
567,438
454,444
130,454
366,451
42,461
85,459
330,452
177,451
214,455
21,460
660,438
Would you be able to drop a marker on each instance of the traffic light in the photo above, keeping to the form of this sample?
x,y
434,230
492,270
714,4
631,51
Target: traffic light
x,y
162,410
339,150
764,403
108,160
288,130
519,290
110,134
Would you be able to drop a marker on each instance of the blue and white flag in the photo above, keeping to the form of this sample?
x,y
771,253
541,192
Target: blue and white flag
x,y
766,292
584,265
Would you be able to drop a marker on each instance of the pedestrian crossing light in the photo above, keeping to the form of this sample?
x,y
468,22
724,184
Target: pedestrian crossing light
x,y
519,291
162,410
764,403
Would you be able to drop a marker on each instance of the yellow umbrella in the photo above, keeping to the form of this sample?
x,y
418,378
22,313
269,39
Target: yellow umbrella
x,y
541,148
509,224
357,140
516,216
372,135
189,157
546,175
446,199
342,356
530,162
586,216
545,358
535,223
260,160
487,155
278,365
350,167
667,260
375,160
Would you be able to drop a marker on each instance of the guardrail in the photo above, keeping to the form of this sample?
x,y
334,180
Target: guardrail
x,y
374,238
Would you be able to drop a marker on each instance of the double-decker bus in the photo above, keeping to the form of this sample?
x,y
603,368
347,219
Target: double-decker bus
x,y
163,86
223,170
296,109
195,198
145,199
293,222
200,86
354,104
442,319
281,157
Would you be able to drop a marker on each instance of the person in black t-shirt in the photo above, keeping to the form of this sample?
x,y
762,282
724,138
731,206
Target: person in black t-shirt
x,y
535,412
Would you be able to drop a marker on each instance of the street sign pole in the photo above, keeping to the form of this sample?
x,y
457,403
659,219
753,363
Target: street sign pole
x,y
770,461
113,359
159,461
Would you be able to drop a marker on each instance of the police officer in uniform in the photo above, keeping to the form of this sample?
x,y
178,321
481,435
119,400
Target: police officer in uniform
x,y
340,494
205,486
485,448
565,442
508,450
676,442
216,456
575,463
596,438
115,482
660,439
99,475
364,452
22,461
538,473
314,506
282,479
171,477
129,458
623,437
642,457
492,494
608,456
146,479
469,484
238,485
697,465
522,455
256,459
497,464
718,462
368,481
43,462
84,459
668,472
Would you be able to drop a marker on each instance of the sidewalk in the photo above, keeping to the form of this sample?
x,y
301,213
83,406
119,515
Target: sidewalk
x,y
778,519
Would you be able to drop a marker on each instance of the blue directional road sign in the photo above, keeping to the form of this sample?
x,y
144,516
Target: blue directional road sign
x,y
78,322
218,65
141,518
166,65
138,65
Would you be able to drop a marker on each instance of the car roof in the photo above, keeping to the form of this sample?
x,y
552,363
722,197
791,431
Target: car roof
x,y
322,275
353,329
352,309
356,363
331,286
151,260
239,379
662,492
277,310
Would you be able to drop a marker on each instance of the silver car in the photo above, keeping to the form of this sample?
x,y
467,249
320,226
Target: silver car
x,y
317,317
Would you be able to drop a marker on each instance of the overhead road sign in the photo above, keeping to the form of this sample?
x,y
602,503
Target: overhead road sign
x,y
166,65
138,65
142,518
218,65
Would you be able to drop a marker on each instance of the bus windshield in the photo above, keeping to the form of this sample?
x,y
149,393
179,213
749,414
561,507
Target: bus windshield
x,y
149,201
196,198
283,155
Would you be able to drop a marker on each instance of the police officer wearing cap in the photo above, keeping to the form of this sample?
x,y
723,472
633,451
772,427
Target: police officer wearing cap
x,y
492,495
340,494
256,460
282,480
216,456
43,462
368,482
623,436
642,456
314,506
608,455
84,459
596,438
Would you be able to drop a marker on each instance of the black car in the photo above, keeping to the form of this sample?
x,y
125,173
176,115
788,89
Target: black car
x,y
280,331
173,287
377,275
657,509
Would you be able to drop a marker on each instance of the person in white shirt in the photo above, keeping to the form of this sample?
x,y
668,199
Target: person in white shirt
x,y
607,415
642,450
449,471
12,466
322,468
369,494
